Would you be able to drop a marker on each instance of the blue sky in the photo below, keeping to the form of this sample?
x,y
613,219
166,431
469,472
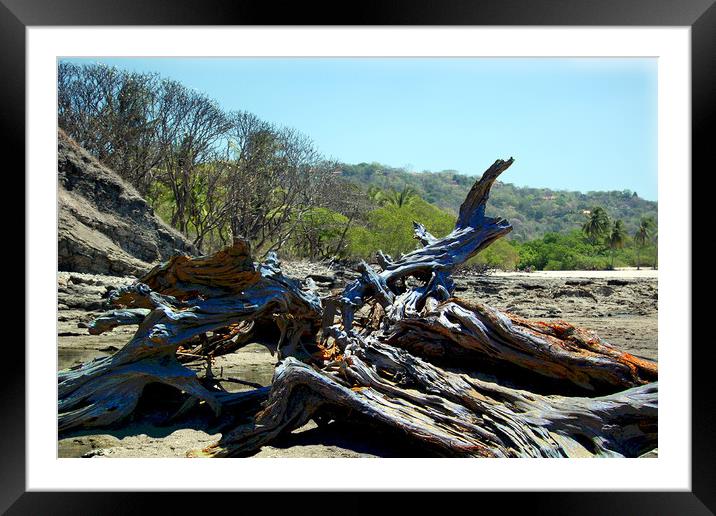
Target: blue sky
x,y
574,124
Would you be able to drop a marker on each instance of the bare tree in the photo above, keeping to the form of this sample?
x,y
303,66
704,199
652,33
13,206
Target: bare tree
x,y
351,201
276,180
113,114
194,125
211,208
323,231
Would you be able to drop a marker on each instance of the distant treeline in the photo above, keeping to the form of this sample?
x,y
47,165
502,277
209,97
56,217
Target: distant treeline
x,y
533,212
214,174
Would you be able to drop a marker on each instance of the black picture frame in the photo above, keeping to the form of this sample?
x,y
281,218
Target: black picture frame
x,y
700,15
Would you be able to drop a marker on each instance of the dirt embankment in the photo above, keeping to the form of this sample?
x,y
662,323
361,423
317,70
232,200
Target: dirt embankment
x,y
104,225
621,308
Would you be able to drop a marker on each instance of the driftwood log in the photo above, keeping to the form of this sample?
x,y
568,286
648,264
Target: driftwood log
x,y
394,350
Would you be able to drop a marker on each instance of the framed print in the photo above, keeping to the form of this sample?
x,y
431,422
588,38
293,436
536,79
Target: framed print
x,y
245,269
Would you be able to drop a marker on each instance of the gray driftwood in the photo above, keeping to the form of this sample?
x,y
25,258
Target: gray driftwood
x,y
458,378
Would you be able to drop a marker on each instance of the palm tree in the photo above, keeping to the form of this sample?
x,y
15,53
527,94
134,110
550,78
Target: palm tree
x,y
641,237
402,198
616,238
376,195
597,225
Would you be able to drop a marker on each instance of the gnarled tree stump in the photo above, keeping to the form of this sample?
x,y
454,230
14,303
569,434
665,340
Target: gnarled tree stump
x,y
411,359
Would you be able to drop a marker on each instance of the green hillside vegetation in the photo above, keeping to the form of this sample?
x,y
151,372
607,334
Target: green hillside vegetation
x,y
533,212
389,227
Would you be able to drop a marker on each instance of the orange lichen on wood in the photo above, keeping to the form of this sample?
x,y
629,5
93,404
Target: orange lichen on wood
x,y
576,339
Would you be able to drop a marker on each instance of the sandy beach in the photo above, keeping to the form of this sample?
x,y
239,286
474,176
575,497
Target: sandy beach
x,y
618,273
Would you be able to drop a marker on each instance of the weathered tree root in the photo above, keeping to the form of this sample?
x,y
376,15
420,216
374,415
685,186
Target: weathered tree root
x,y
462,331
106,390
452,414
411,359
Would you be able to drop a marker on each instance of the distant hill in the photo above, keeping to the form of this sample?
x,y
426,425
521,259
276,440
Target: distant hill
x,y
532,211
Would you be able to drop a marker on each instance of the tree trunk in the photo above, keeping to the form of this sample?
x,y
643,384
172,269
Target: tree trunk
x,y
458,378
